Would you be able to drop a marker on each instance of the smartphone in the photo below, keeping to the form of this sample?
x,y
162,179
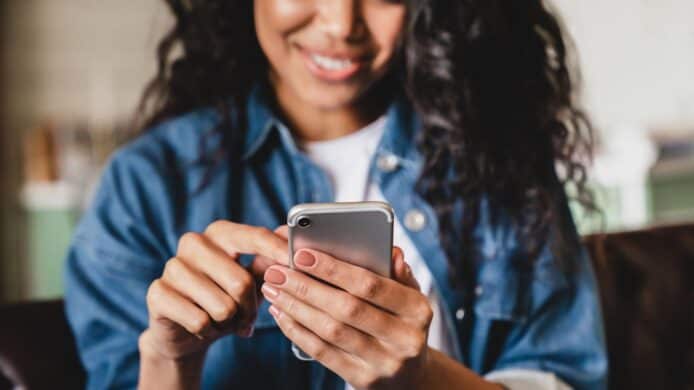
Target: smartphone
x,y
360,233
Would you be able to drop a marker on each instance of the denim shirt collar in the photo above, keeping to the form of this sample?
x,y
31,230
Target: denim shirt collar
x,y
402,124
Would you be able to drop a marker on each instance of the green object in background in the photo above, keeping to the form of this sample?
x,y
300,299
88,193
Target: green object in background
x,y
672,192
51,213
49,234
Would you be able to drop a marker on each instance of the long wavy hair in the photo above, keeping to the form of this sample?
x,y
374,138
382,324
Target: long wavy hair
x,y
491,80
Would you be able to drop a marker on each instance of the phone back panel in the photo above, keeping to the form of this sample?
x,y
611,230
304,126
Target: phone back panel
x,y
360,233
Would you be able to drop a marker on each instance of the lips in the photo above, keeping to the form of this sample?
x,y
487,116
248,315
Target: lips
x,y
333,66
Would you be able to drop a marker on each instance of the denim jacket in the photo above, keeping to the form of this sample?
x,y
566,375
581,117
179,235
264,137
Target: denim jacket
x,y
152,191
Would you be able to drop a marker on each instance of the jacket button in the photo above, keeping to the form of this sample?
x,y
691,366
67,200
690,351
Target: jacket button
x,y
479,290
415,220
387,162
460,314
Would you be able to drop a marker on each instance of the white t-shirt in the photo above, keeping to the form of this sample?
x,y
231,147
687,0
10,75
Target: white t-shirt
x,y
346,161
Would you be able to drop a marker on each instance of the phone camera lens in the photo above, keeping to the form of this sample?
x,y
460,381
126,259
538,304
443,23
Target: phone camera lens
x,y
304,222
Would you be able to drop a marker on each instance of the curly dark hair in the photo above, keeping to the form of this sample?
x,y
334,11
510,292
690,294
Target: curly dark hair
x,y
491,80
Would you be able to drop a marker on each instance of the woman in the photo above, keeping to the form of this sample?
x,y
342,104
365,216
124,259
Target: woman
x,y
456,113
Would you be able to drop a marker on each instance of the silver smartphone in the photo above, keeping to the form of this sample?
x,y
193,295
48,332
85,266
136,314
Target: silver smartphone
x,y
357,232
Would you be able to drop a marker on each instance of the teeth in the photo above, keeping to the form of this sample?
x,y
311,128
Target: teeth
x,y
330,63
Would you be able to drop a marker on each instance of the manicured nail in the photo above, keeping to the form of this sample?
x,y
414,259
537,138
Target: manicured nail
x,y
274,311
275,276
269,291
304,259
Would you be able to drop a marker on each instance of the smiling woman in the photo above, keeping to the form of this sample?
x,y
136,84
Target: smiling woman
x,y
333,61
456,113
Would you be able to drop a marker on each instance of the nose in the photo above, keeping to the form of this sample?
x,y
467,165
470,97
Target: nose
x,y
340,18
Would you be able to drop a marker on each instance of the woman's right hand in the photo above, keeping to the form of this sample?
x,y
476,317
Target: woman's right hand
x,y
204,293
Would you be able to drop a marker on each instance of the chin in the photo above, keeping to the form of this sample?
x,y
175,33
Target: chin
x,y
329,98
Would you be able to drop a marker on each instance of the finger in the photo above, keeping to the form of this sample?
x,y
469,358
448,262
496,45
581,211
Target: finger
x,y
383,292
402,272
201,254
165,303
343,364
235,238
261,263
340,305
282,231
199,289
330,330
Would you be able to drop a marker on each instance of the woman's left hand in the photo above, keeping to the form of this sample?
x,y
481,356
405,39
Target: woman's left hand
x,y
370,330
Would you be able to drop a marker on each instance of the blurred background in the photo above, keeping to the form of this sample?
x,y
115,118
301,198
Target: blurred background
x,y
71,73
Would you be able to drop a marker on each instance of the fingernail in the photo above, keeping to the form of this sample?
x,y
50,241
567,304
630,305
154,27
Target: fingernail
x,y
274,311
269,292
275,276
304,259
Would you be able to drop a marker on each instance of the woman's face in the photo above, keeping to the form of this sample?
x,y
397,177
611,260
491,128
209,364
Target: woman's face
x,y
327,53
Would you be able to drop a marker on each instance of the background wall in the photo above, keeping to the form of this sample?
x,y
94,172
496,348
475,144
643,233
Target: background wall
x,y
86,60
637,58
64,61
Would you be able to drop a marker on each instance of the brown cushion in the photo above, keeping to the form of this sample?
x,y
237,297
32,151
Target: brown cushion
x,y
646,279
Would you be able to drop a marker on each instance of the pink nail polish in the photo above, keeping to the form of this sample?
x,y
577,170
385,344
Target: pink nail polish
x,y
274,311
269,292
304,259
275,276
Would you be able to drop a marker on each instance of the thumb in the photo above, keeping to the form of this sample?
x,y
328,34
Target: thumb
x,y
402,271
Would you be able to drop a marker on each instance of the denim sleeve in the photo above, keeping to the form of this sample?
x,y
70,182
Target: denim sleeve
x,y
116,252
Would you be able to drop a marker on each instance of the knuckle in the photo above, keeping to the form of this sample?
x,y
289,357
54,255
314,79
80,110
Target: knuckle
x,y
217,227
173,269
240,283
262,231
245,281
289,304
289,329
334,331
426,314
301,290
370,287
225,310
199,323
154,292
188,241
352,309
330,269
318,350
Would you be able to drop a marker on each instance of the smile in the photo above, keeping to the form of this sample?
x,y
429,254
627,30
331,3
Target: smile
x,y
332,68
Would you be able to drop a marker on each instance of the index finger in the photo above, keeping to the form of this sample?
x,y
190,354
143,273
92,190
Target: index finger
x,y
360,282
235,238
